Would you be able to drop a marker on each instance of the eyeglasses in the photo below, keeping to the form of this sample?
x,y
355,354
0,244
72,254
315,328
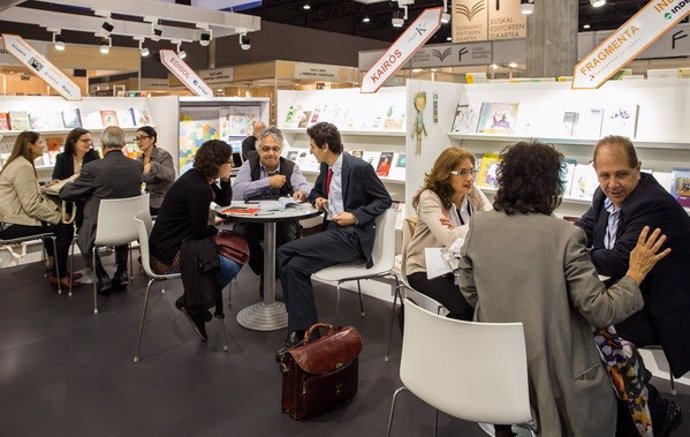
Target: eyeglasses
x,y
87,140
464,173
142,138
263,149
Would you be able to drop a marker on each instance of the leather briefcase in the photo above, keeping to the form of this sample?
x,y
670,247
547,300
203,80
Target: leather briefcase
x,y
321,374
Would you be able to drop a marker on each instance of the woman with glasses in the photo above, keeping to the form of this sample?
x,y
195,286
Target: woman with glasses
x,y
159,171
78,151
444,206
25,211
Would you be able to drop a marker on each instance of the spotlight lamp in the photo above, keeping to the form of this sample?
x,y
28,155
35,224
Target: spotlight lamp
x,y
398,20
205,37
58,42
366,19
445,18
106,43
306,6
597,3
143,50
180,53
156,31
526,7
245,42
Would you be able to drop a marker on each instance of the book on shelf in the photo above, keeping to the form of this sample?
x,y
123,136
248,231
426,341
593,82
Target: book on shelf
x,y
681,186
54,144
141,118
497,118
357,153
4,121
399,208
620,120
45,120
665,179
19,120
466,117
384,165
292,118
237,120
487,177
304,119
585,182
125,118
372,158
589,123
92,120
398,168
292,155
71,118
395,118
109,118
567,174
314,116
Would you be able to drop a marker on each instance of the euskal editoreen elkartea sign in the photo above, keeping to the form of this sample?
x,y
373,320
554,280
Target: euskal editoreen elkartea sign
x,y
402,49
39,65
185,74
628,41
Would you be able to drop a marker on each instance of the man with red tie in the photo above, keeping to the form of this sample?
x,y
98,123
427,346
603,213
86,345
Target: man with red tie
x,y
352,196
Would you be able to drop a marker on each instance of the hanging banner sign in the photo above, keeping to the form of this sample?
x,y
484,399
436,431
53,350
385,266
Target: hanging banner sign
x,y
628,41
185,74
402,49
39,65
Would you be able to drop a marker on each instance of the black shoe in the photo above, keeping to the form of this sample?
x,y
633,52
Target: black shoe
x,y
197,321
293,339
104,286
674,416
120,280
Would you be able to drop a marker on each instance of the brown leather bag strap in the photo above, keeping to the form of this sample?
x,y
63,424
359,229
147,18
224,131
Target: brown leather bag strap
x,y
315,326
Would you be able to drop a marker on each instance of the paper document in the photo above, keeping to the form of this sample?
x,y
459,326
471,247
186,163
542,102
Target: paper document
x,y
278,205
455,247
436,264
55,188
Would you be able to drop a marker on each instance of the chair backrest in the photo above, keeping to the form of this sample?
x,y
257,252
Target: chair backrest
x,y
144,226
116,219
409,225
473,371
383,252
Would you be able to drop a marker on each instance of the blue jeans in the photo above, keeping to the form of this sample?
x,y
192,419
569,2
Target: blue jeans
x,y
228,269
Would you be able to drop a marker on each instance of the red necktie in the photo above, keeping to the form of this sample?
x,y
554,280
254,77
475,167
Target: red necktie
x,y
329,177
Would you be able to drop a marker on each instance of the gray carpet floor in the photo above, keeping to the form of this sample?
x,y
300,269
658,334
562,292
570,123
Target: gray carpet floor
x,y
65,371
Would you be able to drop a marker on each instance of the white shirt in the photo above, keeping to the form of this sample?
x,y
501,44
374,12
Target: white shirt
x,y
335,192
612,225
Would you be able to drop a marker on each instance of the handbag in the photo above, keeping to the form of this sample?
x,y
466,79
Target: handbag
x,y
321,374
232,245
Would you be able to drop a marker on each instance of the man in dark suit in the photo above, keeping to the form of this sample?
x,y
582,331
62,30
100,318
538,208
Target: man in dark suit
x,y
249,143
624,203
353,196
113,177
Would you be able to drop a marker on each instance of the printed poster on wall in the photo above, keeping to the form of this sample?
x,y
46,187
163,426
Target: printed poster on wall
x,y
481,20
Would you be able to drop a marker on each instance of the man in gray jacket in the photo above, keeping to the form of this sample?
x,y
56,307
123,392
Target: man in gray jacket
x,y
113,177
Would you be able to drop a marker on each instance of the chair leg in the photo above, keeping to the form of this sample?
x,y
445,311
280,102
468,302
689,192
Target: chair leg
x,y
361,302
230,294
57,265
435,422
337,300
390,415
390,332
163,286
95,280
131,264
221,320
143,319
71,267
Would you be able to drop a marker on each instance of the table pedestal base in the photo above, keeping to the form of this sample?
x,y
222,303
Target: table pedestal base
x,y
262,317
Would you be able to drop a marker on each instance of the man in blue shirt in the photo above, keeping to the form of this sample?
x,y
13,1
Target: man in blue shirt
x,y
266,174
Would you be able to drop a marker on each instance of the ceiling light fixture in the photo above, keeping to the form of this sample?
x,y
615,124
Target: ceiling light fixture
x,y
597,3
397,20
366,19
586,27
513,65
306,7
156,31
143,50
449,38
494,67
58,42
245,43
445,16
205,37
180,53
106,43
526,7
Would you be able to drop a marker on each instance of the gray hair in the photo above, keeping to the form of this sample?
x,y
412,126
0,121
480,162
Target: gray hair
x,y
113,138
271,132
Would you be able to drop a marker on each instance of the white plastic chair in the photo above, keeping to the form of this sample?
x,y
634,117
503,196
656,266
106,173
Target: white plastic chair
x,y
19,240
116,227
405,289
383,257
144,226
472,371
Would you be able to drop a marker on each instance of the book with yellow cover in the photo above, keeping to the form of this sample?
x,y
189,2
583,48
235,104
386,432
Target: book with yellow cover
x,y
488,171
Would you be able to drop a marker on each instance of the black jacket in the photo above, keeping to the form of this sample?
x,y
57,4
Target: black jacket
x,y
666,290
64,164
200,271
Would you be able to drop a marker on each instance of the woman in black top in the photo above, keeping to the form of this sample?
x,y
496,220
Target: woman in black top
x,y
185,209
77,152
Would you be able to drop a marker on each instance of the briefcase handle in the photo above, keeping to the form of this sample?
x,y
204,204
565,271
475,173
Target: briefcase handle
x,y
316,326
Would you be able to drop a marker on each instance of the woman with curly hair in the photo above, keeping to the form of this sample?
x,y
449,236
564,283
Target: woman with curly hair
x,y
185,213
520,263
444,206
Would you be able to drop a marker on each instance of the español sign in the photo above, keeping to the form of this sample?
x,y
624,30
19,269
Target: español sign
x,y
628,41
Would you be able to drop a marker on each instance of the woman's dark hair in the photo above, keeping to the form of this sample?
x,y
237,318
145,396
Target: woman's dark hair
x,y
72,138
529,179
21,148
325,132
210,156
438,179
149,131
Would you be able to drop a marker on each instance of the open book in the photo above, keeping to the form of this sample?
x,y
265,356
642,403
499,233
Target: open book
x,y
278,205
57,187
236,210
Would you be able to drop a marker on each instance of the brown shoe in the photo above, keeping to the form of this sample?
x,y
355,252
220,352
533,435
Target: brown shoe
x,y
64,282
